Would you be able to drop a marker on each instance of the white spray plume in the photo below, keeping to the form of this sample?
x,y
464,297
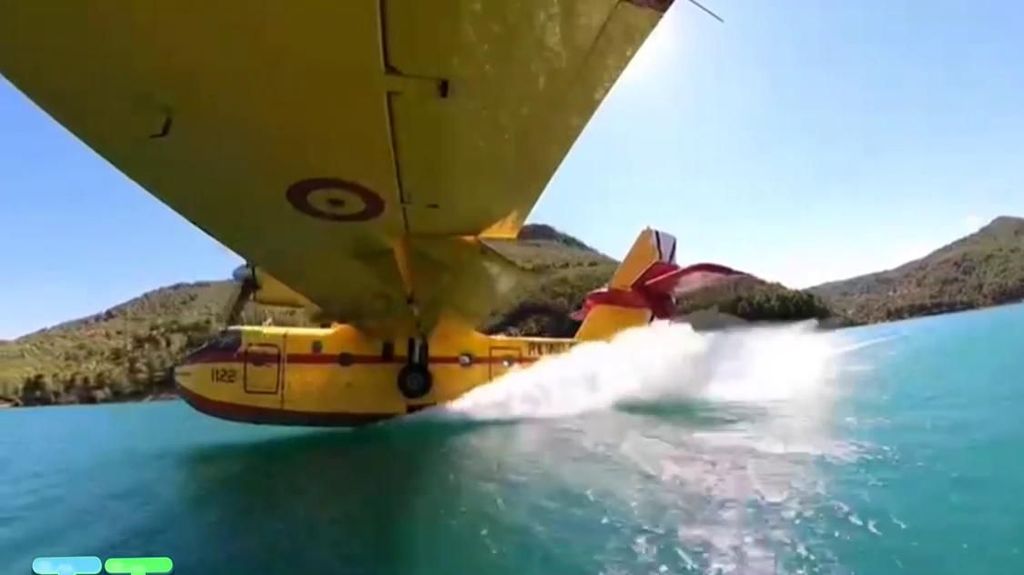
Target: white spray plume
x,y
660,362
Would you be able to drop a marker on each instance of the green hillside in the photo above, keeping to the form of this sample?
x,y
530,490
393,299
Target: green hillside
x,y
127,352
124,352
564,269
754,299
983,269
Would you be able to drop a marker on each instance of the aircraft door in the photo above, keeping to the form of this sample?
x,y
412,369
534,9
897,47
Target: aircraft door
x,y
502,359
262,370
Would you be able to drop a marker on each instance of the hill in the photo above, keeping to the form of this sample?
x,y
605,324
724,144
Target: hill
x,y
127,352
564,270
983,269
754,299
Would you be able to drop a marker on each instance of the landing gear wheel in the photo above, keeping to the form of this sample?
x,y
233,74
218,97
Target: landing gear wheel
x,y
414,381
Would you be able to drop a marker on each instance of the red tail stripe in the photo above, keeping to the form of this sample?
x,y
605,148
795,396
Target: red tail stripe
x,y
616,297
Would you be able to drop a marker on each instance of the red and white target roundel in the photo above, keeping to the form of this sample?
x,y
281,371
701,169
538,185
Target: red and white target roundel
x,y
335,199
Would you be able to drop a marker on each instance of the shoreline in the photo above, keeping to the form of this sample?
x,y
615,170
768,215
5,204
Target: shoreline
x,y
7,403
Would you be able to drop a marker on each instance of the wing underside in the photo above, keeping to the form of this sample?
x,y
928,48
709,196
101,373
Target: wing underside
x,y
323,140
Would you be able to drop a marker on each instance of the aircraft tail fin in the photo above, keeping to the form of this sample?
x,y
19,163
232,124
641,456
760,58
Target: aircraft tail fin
x,y
644,286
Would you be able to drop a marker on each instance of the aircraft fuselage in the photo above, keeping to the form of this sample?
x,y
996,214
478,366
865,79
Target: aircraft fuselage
x,y
338,376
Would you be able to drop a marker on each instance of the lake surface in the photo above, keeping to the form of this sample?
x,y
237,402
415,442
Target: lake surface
x,y
896,448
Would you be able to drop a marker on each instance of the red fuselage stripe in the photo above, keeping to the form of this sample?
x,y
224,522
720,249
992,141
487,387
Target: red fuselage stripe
x,y
332,359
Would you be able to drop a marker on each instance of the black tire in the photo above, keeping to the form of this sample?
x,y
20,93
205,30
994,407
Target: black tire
x,y
415,381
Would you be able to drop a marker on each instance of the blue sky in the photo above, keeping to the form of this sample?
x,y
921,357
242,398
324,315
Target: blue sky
x,y
800,141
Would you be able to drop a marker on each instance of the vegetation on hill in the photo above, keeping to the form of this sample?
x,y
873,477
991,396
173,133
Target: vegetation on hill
x,y
754,299
128,351
983,269
544,232
564,270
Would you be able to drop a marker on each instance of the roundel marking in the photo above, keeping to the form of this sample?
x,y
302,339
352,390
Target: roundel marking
x,y
335,200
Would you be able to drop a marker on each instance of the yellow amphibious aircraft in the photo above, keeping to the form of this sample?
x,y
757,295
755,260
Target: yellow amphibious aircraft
x,y
363,156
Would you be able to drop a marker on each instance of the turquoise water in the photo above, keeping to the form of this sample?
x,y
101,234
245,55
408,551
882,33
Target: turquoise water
x,y
889,449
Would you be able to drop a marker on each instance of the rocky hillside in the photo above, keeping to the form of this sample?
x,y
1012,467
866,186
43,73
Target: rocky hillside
x,y
127,352
983,269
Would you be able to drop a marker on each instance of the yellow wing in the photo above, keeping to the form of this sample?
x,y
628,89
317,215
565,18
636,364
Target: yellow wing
x,y
324,140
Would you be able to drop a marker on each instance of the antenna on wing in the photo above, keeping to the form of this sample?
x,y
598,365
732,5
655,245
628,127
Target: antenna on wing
x,y
707,10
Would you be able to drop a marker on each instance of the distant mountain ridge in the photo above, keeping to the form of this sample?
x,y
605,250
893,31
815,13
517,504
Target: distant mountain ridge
x,y
548,233
982,269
